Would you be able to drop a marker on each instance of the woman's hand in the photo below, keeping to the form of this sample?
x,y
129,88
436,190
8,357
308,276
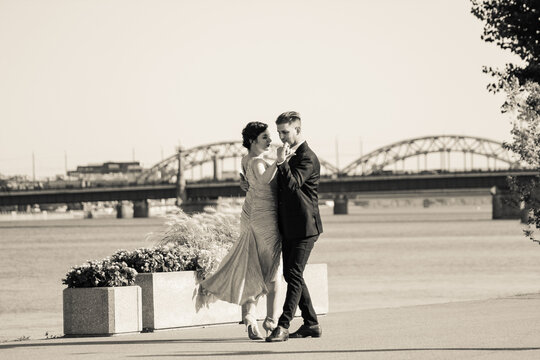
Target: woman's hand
x,y
244,184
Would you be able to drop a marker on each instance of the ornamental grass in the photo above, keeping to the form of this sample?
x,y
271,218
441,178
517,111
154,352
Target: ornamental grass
x,y
209,235
188,243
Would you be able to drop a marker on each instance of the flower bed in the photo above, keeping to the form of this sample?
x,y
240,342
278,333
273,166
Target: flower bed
x,y
197,243
188,243
100,273
158,259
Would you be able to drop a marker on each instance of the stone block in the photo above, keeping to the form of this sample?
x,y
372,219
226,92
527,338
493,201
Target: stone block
x,y
102,310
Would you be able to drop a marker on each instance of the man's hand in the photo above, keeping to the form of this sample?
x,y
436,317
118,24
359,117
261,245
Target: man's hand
x,y
244,184
282,153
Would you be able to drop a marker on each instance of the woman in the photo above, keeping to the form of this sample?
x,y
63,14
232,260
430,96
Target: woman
x,y
249,270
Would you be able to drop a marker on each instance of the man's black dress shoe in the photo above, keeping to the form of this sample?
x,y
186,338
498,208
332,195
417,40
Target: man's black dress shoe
x,y
278,334
306,330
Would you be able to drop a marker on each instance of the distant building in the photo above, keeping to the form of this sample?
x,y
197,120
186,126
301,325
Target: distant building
x,y
107,174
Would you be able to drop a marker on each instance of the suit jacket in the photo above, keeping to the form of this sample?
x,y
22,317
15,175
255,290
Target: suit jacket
x,y
298,201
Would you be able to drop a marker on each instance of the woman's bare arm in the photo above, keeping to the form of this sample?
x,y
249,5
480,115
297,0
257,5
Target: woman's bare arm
x,y
264,173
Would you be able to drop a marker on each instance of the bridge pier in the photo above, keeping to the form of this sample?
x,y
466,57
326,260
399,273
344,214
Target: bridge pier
x,y
140,208
87,209
119,210
215,163
504,205
341,205
122,210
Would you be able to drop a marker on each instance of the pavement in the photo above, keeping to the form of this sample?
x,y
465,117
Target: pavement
x,y
503,328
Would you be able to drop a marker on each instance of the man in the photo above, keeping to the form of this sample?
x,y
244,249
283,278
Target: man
x,y
299,223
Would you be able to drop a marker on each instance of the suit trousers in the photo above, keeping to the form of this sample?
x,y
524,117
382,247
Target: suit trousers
x,y
295,256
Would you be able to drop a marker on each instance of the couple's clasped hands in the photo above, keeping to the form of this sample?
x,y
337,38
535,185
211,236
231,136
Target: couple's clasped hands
x,y
284,153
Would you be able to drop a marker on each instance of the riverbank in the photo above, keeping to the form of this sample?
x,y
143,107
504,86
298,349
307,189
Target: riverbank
x,y
96,213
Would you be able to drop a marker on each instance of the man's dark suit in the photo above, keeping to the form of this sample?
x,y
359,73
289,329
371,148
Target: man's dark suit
x,y
300,225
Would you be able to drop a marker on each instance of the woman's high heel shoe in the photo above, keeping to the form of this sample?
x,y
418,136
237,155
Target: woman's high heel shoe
x,y
252,328
269,324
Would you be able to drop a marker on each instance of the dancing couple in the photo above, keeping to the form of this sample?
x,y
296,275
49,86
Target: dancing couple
x,y
280,215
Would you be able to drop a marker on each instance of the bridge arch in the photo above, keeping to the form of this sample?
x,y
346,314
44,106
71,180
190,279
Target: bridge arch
x,y
214,153
377,160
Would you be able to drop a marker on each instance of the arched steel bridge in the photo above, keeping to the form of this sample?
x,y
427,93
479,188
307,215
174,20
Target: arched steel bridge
x,y
372,163
376,161
215,154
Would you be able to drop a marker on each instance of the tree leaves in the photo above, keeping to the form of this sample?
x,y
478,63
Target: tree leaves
x,y
513,25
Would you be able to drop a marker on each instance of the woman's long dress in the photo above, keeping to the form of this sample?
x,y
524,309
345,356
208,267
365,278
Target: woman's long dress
x,y
253,260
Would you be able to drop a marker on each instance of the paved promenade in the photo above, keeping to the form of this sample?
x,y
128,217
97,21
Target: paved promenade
x,y
504,328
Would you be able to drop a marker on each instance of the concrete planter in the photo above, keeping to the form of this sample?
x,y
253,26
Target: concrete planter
x,y
168,299
102,310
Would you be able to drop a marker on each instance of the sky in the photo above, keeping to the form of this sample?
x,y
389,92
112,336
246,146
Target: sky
x,y
89,81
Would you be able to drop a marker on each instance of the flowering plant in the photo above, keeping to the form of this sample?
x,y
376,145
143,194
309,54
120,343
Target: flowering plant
x,y
158,259
100,273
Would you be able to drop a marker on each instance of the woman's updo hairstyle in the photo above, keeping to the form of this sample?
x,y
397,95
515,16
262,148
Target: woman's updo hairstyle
x,y
251,132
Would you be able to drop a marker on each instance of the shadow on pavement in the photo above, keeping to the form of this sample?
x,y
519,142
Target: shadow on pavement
x,y
63,343
250,353
47,343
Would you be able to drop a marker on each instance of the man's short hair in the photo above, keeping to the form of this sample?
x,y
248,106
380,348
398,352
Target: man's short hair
x,y
288,117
